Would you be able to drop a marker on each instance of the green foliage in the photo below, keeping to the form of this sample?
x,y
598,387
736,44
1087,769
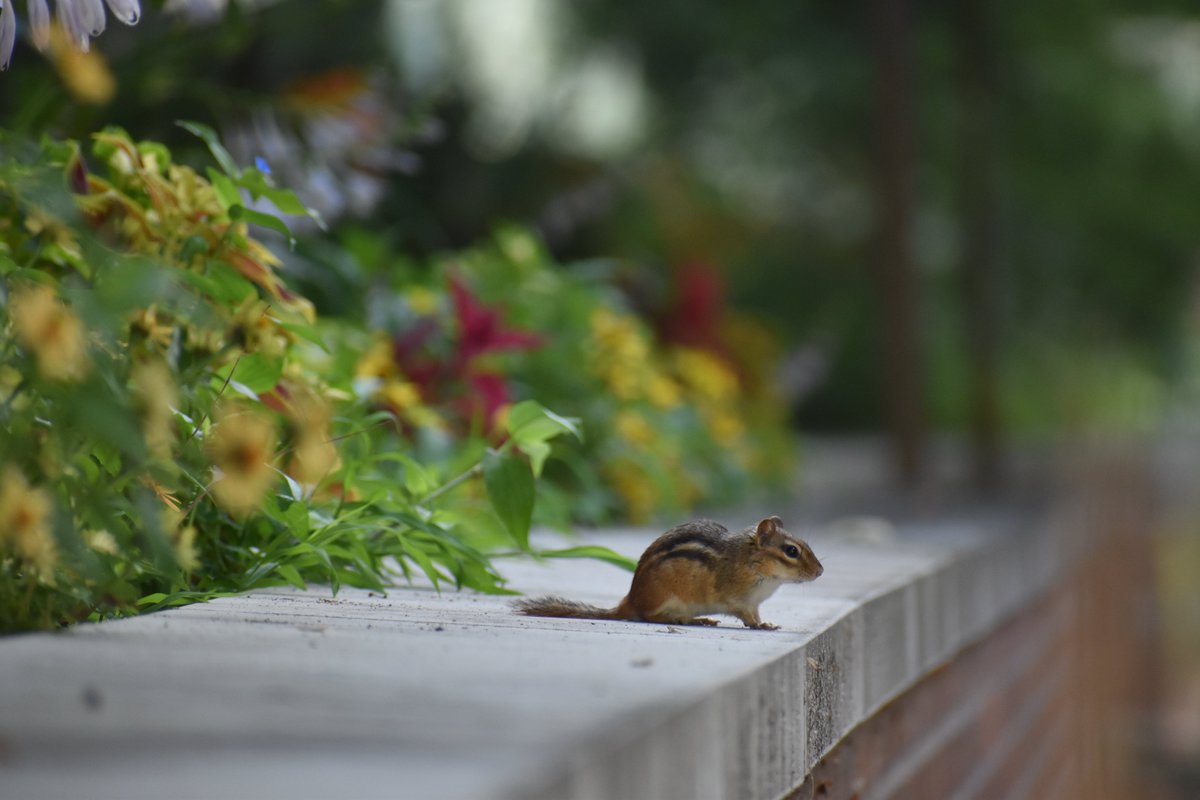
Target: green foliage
x,y
164,439
252,179
669,427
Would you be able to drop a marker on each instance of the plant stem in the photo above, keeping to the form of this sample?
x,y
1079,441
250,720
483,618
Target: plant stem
x,y
8,403
224,386
452,484
361,431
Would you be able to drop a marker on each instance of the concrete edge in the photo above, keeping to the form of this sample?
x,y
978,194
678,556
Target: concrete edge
x,y
761,733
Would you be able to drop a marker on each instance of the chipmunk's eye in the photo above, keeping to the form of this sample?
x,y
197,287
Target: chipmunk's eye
x,y
792,551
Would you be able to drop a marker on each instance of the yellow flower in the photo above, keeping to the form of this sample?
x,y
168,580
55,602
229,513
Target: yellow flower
x,y
500,418
155,326
242,446
662,391
757,352
256,331
421,300
377,362
707,375
25,523
726,427
619,336
50,228
154,392
52,331
635,488
183,538
205,340
101,542
634,428
86,75
399,395
314,455
620,353
404,400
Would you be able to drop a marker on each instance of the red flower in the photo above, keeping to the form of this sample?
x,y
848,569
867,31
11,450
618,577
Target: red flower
x,y
699,309
480,330
411,352
450,371
487,393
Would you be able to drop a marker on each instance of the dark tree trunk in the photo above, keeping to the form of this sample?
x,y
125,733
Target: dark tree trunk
x,y
891,49
978,237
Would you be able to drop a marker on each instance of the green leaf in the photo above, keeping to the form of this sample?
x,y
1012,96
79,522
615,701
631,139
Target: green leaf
x,y
231,284
417,480
131,283
193,246
538,452
266,220
291,575
91,472
210,138
509,483
306,332
257,372
592,551
156,152
530,421
151,599
244,390
225,188
255,182
108,457
296,517
295,490
422,559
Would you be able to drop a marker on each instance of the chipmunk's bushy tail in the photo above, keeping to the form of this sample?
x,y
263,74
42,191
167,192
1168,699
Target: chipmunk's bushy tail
x,y
554,606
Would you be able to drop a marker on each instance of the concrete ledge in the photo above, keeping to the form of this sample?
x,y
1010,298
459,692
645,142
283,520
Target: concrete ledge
x,y
419,694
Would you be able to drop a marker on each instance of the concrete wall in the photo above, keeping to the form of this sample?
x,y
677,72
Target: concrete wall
x,y
971,650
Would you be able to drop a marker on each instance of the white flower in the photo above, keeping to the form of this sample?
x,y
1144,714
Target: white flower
x,y
81,19
8,32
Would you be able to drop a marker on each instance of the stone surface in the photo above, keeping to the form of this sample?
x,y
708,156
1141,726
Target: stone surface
x,y
419,694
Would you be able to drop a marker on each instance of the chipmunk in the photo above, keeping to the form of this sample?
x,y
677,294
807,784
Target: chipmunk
x,y
701,567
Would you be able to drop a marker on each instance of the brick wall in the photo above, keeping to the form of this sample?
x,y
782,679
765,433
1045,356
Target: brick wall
x,y
1051,703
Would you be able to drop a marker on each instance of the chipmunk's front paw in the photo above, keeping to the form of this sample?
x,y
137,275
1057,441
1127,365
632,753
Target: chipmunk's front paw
x,y
765,626
703,621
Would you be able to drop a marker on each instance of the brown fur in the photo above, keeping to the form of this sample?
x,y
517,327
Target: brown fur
x,y
700,567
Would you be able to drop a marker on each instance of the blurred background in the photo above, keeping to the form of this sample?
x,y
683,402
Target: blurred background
x,y
970,221
953,217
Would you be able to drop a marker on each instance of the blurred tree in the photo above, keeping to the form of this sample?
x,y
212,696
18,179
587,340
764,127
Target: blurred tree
x,y
980,283
890,37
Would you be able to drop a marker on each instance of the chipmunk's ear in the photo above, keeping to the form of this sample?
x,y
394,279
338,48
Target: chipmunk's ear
x,y
768,529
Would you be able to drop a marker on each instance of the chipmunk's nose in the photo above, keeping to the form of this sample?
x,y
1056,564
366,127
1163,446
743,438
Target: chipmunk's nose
x,y
819,571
